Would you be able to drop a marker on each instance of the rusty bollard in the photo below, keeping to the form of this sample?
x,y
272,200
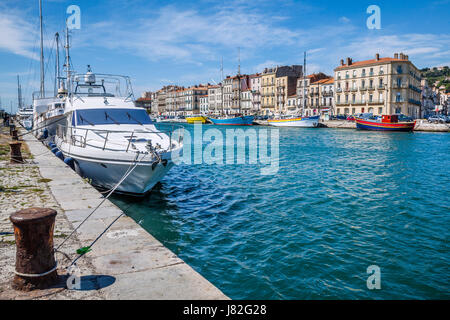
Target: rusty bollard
x,y
35,259
14,135
16,154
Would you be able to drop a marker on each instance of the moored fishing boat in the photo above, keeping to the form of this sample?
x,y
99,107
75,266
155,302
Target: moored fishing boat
x,y
301,122
388,123
233,121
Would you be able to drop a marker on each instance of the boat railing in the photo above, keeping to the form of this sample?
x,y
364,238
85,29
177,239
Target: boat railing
x,y
78,137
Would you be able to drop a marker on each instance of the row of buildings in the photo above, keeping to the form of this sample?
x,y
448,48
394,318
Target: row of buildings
x,y
386,85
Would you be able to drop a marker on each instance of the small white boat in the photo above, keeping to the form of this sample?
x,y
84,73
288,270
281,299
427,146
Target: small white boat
x,y
109,139
301,122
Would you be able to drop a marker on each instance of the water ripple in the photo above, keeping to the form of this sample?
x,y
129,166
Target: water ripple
x,y
341,201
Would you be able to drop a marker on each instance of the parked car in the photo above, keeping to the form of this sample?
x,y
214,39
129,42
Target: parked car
x,y
403,118
436,119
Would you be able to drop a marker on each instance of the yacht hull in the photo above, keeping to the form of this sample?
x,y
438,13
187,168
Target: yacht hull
x,y
105,175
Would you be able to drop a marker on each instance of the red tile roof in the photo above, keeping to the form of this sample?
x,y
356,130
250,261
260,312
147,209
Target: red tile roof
x,y
369,62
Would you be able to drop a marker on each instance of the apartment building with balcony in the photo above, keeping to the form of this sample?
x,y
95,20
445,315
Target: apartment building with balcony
x,y
268,90
255,87
286,78
326,101
204,104
378,86
188,102
308,93
215,99
227,94
246,102
277,84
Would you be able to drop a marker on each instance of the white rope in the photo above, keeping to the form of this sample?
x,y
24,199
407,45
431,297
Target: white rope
x,y
36,275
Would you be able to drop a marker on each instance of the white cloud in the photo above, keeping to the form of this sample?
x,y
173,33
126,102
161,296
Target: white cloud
x,y
187,34
17,35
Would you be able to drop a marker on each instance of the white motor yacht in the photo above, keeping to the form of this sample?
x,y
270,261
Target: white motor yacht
x,y
109,139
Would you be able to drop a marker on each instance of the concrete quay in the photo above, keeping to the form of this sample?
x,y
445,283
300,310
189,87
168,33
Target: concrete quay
x,y
126,263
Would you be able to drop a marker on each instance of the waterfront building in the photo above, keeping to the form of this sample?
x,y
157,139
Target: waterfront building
x,y
305,96
227,93
276,85
239,84
327,97
215,99
145,101
268,91
286,78
379,86
191,103
204,104
246,102
255,87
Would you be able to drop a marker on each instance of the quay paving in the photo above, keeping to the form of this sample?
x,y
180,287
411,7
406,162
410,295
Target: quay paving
x,y
126,263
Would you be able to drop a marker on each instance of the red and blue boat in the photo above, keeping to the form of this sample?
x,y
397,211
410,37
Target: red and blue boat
x,y
233,121
388,123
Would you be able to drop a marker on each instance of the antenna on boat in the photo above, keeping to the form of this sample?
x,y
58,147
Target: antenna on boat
x,y
42,88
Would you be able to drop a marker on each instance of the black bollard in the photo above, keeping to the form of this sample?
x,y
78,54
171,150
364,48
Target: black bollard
x,y
35,259
16,154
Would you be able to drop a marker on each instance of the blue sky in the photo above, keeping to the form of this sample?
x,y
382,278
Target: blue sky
x,y
182,42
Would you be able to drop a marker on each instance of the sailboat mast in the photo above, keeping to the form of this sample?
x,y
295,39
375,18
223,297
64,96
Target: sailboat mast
x,y
304,84
42,88
57,71
67,63
19,93
239,79
221,84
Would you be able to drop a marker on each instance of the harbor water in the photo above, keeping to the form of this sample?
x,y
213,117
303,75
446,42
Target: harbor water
x,y
341,201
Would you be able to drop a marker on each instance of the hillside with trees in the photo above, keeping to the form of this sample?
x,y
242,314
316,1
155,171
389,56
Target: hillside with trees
x,y
440,76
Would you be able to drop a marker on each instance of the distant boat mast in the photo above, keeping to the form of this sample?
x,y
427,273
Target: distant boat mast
x,y
304,85
42,88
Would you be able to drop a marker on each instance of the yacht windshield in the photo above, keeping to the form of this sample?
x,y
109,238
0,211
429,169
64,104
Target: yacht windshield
x,y
112,116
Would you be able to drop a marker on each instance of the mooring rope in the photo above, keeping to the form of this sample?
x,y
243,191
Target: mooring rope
x,y
127,173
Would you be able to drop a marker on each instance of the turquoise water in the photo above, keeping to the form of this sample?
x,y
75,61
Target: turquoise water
x,y
341,201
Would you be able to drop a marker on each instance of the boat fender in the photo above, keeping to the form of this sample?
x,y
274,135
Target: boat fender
x,y
55,150
154,164
164,162
52,145
69,162
60,155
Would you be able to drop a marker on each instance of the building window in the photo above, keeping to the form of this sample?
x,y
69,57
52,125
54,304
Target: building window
x,y
370,97
346,98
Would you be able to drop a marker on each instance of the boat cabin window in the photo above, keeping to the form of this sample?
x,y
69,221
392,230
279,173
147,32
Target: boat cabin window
x,y
111,116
